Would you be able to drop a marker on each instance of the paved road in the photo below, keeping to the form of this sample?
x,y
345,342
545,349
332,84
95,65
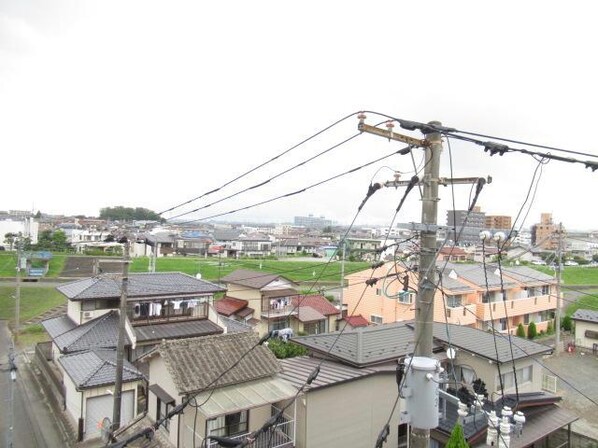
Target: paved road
x,y
23,406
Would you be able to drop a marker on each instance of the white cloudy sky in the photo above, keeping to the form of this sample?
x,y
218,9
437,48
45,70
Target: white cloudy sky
x,y
146,103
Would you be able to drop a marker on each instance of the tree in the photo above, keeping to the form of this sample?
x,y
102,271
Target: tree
x,y
532,332
59,240
567,323
282,349
10,238
457,438
121,213
520,330
550,327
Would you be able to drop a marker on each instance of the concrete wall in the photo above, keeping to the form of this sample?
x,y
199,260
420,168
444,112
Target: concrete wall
x,y
349,414
158,374
581,340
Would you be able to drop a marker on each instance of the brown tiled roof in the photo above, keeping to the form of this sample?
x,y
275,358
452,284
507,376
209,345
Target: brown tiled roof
x,y
252,279
195,363
357,321
317,302
230,305
308,314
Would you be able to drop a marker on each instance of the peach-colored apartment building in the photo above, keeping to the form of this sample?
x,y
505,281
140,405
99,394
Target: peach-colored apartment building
x,y
462,297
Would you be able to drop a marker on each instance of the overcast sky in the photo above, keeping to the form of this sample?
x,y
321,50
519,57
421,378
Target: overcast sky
x,y
149,104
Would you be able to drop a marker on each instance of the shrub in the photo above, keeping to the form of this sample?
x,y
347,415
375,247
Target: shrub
x,y
567,323
550,327
532,332
283,349
520,330
457,438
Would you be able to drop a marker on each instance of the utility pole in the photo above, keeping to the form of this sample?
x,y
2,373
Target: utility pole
x,y
559,269
342,276
424,302
120,351
18,292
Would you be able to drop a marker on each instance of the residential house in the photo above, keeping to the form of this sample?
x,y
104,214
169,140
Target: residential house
x,y
586,329
159,306
193,242
453,253
161,244
88,376
268,295
270,302
286,246
353,322
253,245
466,295
508,367
229,240
229,384
361,248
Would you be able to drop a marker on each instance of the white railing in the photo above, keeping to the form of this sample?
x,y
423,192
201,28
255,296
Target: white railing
x,y
279,437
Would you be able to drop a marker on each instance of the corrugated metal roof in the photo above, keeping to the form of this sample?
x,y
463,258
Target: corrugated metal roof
x,y
585,315
365,345
482,342
541,422
317,302
230,305
173,330
140,285
297,370
238,397
96,367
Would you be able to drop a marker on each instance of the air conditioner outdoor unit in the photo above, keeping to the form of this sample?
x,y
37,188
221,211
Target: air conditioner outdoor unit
x,y
87,314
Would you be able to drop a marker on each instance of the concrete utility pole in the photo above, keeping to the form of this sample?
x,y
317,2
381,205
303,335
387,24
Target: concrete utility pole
x,y
120,350
18,292
424,302
559,269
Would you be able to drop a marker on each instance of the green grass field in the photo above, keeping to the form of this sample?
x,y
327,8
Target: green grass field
x,y
574,275
35,300
8,264
213,269
589,300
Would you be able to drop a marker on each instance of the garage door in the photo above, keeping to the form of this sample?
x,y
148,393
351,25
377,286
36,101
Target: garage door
x,y
102,406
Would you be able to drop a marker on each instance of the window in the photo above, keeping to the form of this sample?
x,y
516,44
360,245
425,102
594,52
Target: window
x,y
453,301
403,433
228,425
376,319
526,319
545,290
278,324
405,297
524,375
162,411
378,291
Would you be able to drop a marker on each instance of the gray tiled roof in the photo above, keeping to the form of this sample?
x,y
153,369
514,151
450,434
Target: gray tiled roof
x,y
526,275
226,234
96,368
182,329
101,332
252,279
481,343
586,315
195,363
475,274
373,345
363,346
58,325
297,370
140,285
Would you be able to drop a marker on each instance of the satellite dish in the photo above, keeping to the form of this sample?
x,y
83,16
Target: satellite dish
x,y
451,353
106,429
198,276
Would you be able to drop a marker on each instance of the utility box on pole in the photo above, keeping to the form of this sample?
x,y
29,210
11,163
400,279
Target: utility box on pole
x,y
421,391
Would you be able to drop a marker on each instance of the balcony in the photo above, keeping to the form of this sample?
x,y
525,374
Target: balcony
x,y
461,315
145,313
281,311
279,437
515,307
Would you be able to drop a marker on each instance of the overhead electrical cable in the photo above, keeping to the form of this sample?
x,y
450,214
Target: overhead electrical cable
x,y
403,151
260,165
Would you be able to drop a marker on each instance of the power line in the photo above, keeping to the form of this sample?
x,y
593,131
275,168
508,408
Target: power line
x,y
261,184
403,151
260,165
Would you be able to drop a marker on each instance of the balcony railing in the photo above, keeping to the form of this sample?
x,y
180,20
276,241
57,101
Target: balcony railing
x,y
517,307
278,311
279,437
166,314
461,315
